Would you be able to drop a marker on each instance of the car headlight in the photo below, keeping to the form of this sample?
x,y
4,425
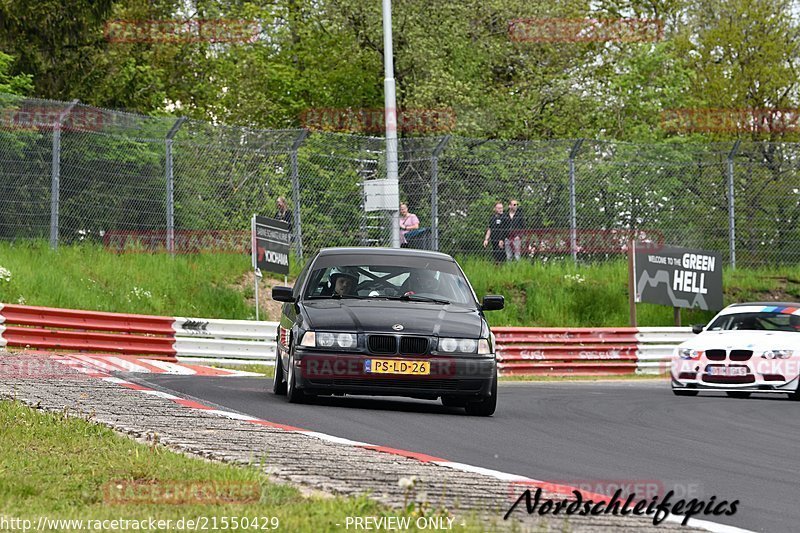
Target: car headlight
x,y
777,354
346,340
484,348
324,339
689,353
309,339
451,345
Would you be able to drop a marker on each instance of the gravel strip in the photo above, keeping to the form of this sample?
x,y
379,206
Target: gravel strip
x,y
309,462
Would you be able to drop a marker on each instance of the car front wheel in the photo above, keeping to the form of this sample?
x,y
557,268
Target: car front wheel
x,y
485,406
278,385
293,394
685,392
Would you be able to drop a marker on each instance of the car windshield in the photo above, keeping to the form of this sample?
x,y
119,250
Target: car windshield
x,y
762,321
437,282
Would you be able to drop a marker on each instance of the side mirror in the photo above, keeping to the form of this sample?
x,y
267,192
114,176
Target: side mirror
x,y
698,328
282,294
493,302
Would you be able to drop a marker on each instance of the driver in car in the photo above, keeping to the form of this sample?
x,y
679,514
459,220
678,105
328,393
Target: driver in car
x,y
421,281
344,283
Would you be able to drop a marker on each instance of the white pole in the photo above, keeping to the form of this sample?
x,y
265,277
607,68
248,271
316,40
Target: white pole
x,y
390,110
253,254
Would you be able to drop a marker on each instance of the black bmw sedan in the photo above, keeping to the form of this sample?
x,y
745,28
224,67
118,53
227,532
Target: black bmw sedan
x,y
380,321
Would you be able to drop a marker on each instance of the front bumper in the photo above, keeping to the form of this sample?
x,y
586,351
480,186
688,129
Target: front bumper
x,y
755,374
453,376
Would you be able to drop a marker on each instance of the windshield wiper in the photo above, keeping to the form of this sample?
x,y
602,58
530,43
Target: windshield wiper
x,y
337,297
417,298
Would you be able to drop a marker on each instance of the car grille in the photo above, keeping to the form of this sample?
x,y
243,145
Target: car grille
x,y
382,344
715,355
387,344
413,345
740,355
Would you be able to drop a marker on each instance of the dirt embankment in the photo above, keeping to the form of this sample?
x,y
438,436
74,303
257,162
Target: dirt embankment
x,y
269,309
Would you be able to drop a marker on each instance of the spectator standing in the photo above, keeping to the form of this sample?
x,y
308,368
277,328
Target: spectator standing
x,y
284,213
408,222
496,232
516,226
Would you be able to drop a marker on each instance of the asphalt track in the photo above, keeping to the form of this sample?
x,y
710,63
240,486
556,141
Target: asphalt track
x,y
596,435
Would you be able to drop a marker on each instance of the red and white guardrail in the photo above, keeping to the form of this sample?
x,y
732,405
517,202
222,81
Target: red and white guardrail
x,y
521,351
161,338
586,351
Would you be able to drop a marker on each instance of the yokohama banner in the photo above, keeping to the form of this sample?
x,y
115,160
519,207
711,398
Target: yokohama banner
x,y
270,244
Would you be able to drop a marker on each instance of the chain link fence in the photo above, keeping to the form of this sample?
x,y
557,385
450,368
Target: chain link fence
x,y
71,172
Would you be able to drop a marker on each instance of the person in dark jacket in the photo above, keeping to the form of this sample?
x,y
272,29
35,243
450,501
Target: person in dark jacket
x,y
496,232
516,227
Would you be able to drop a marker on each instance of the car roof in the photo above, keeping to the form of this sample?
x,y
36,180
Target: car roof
x,y
766,304
366,250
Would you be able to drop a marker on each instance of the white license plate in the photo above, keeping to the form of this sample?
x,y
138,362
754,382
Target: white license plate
x,y
727,371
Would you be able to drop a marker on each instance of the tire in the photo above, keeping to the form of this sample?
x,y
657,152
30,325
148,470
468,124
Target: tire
x,y
293,394
795,396
742,394
685,392
486,406
278,384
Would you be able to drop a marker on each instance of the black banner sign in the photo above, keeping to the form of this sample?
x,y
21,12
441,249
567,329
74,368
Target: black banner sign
x,y
271,244
679,277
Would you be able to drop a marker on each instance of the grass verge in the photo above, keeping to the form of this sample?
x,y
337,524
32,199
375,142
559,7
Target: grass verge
x,y
553,293
562,294
67,468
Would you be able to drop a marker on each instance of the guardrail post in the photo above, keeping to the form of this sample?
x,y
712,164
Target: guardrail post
x,y
55,176
435,192
731,210
573,214
171,186
298,232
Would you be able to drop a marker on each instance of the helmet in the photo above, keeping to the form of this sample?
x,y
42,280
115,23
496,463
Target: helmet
x,y
424,280
346,272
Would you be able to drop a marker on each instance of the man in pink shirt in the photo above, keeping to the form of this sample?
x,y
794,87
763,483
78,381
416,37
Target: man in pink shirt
x,y
408,222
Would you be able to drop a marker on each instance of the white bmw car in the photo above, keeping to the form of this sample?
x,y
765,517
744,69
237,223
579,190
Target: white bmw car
x,y
748,347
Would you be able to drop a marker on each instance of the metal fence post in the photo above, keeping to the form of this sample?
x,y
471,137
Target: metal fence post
x,y
573,209
731,210
171,187
55,176
435,192
298,232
